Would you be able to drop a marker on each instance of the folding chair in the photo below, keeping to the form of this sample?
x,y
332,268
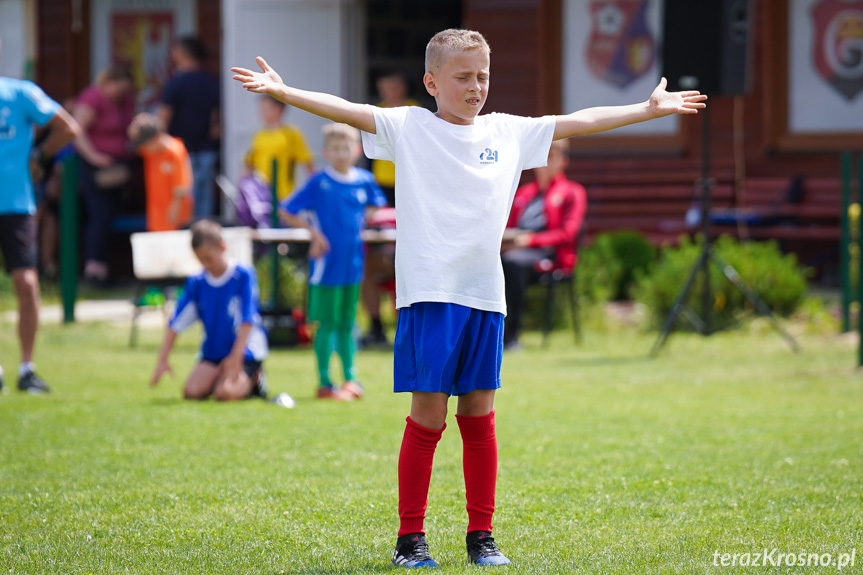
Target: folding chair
x,y
553,273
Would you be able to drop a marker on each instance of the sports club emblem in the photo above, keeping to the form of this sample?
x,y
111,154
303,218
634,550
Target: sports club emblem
x,y
620,47
837,50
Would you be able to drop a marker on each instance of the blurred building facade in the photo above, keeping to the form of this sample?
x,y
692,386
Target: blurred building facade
x,y
774,148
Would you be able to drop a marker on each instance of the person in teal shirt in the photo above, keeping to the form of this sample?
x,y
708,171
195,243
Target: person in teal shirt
x,y
24,105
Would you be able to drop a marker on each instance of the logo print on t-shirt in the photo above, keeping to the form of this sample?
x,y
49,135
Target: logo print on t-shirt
x,y
489,156
7,130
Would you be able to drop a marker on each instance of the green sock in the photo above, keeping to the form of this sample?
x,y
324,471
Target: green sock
x,y
323,347
345,349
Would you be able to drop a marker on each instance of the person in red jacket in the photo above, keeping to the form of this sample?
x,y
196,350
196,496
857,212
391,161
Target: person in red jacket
x,y
550,212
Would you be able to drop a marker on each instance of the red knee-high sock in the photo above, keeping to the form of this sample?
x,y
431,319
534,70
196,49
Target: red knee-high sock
x,y
480,469
415,468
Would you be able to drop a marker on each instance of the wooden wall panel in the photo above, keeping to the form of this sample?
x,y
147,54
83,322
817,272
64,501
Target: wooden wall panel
x,y
525,47
63,47
210,33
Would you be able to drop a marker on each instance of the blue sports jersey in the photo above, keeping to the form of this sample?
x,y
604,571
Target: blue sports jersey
x,y
223,304
22,104
338,204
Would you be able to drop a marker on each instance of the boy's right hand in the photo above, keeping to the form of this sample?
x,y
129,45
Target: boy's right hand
x,y
319,245
265,82
161,368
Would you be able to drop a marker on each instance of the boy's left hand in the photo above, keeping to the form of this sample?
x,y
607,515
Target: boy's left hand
x,y
663,103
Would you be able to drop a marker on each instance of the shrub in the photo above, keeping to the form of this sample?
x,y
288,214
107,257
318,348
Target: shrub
x,y
292,282
607,269
6,289
776,278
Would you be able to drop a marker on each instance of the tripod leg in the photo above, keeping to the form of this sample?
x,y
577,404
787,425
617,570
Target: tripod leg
x,y
678,307
753,298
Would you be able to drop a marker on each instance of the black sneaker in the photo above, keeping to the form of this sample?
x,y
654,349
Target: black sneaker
x,y
259,387
2,389
374,339
31,383
412,551
482,550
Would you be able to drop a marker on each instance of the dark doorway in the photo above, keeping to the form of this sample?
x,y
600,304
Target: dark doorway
x,y
396,36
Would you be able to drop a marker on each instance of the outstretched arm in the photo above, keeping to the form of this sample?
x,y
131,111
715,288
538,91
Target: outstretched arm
x,y
327,106
661,103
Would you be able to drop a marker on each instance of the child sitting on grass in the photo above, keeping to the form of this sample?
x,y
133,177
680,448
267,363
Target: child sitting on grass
x,y
338,199
224,297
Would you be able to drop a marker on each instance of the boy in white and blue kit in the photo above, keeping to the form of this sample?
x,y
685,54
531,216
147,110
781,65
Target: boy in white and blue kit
x,y
456,176
224,297
336,200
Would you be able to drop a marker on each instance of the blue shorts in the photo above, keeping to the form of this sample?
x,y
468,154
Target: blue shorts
x,y
448,348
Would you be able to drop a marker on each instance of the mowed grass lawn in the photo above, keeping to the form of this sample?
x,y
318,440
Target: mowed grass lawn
x,y
609,462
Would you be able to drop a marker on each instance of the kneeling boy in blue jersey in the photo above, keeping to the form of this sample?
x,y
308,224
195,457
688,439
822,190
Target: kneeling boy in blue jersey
x,y
338,199
225,298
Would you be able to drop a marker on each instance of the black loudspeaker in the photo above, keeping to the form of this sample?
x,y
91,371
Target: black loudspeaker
x,y
706,45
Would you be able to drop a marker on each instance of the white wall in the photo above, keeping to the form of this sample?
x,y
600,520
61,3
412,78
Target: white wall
x,y
305,41
13,38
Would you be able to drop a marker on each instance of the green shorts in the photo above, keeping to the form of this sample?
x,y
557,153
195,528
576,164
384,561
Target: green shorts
x,y
335,305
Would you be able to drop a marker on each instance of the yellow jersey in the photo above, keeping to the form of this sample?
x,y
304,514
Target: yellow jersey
x,y
384,171
288,147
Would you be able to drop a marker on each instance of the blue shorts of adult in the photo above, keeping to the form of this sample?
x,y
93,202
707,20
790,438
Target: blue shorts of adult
x,y
447,348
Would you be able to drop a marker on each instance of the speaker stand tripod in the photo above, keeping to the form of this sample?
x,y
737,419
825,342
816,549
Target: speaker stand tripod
x,y
703,323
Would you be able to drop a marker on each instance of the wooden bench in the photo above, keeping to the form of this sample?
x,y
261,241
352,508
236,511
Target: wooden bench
x,y
805,210
652,208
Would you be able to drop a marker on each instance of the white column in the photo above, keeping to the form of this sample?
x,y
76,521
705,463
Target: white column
x,y
305,41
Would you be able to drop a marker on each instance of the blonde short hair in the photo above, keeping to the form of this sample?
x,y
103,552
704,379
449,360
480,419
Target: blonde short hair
x,y
340,132
443,44
206,232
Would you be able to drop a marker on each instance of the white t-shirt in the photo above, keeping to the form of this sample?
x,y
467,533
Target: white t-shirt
x,y
454,190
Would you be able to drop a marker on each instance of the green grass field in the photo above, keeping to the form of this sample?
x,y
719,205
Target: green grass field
x,y
609,462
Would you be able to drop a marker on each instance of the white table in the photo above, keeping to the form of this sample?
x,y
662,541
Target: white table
x,y
301,235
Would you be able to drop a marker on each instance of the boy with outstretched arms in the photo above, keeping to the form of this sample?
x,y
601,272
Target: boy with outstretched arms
x,y
456,174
